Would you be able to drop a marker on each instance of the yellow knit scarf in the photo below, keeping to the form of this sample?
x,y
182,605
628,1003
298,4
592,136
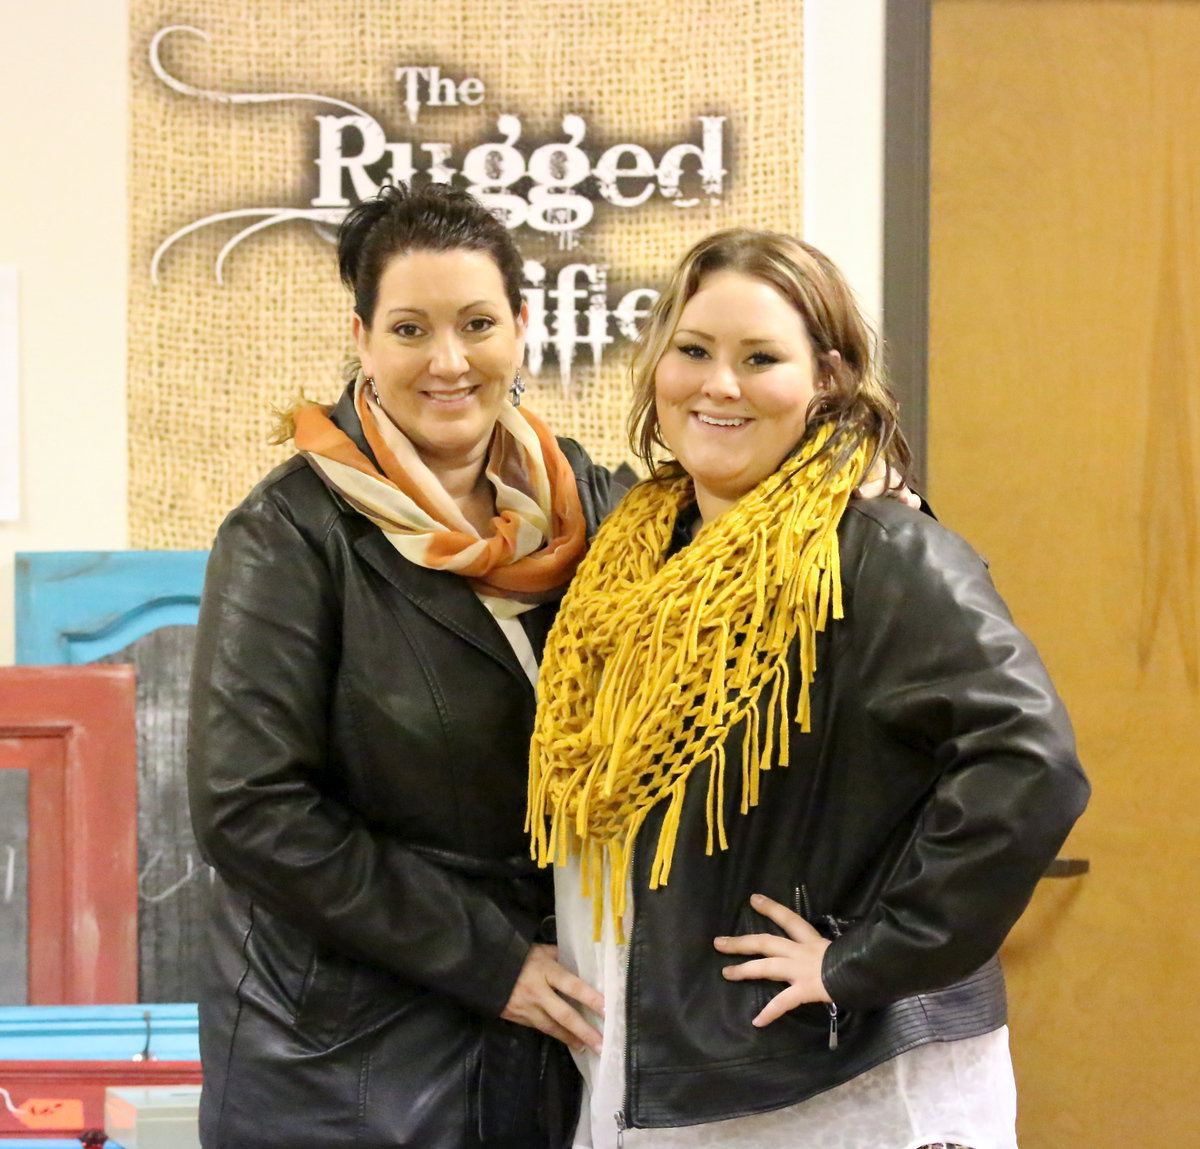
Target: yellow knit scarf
x,y
652,662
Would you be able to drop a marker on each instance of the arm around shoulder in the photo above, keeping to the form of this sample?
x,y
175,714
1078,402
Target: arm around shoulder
x,y
600,489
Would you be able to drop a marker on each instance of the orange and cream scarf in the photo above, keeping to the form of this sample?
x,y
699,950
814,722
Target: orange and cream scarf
x,y
654,660
538,533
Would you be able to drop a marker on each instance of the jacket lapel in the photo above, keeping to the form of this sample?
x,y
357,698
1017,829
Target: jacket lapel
x,y
444,597
346,417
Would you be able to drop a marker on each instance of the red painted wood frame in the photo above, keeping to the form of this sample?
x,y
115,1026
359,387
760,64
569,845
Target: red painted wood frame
x,y
82,1081
72,728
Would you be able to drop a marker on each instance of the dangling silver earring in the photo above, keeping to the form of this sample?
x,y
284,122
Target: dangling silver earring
x,y
370,381
517,389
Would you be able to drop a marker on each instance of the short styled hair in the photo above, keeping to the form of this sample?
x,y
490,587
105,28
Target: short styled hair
x,y
403,219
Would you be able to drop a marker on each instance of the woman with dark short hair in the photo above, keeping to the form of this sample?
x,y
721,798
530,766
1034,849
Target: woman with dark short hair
x,y
383,972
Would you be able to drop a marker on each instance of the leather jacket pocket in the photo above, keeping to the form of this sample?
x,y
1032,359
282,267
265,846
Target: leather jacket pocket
x,y
814,1023
342,999
827,1014
807,1025
527,1087
325,997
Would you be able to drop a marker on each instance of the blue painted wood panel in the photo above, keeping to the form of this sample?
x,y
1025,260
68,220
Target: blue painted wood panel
x,y
40,1143
97,1033
74,607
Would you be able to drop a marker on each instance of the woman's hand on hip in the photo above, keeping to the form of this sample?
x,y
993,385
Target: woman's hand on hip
x,y
542,999
795,959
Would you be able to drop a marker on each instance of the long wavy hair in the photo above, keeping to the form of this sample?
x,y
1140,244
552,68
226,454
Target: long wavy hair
x,y
854,394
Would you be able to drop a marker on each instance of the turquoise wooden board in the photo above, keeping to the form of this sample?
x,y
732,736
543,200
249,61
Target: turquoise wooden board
x,y
41,1143
97,1033
74,607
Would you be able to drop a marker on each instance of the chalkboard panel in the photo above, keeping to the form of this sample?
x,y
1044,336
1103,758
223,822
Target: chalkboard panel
x,y
172,917
14,887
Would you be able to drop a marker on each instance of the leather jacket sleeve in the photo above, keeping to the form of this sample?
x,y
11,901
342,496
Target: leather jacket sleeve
x,y
264,791
599,488
945,670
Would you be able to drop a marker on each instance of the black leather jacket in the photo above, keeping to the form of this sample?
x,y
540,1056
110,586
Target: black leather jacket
x,y
911,826
357,770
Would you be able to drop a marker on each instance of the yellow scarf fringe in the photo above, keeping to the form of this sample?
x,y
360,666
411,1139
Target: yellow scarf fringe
x,y
652,662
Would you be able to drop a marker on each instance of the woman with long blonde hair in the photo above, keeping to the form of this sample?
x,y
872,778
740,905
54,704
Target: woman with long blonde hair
x,y
798,770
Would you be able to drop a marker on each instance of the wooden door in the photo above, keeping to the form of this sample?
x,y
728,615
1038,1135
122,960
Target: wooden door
x,y
1064,433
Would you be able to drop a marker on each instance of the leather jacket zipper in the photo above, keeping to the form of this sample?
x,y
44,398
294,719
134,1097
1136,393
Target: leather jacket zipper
x,y
803,907
836,930
619,1116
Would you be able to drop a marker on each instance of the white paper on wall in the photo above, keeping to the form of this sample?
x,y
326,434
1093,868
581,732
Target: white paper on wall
x,y
9,436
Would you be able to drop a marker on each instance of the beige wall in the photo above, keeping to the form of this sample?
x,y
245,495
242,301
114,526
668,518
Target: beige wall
x,y
64,76
62,188
843,139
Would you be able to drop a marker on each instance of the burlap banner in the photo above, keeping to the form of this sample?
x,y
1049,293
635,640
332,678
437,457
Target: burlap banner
x,y
610,135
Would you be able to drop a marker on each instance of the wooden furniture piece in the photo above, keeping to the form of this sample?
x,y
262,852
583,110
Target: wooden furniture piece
x,y
56,1062
71,730
140,608
79,606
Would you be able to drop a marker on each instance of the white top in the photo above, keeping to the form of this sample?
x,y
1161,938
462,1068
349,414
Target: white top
x,y
957,1091
512,630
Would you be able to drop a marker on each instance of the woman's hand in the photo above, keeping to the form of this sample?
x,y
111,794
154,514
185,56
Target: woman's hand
x,y
539,1000
882,480
795,959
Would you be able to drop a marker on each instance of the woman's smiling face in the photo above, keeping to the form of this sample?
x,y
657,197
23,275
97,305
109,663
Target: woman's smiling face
x,y
733,386
442,347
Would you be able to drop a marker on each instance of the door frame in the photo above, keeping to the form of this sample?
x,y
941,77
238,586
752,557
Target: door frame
x,y
906,134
